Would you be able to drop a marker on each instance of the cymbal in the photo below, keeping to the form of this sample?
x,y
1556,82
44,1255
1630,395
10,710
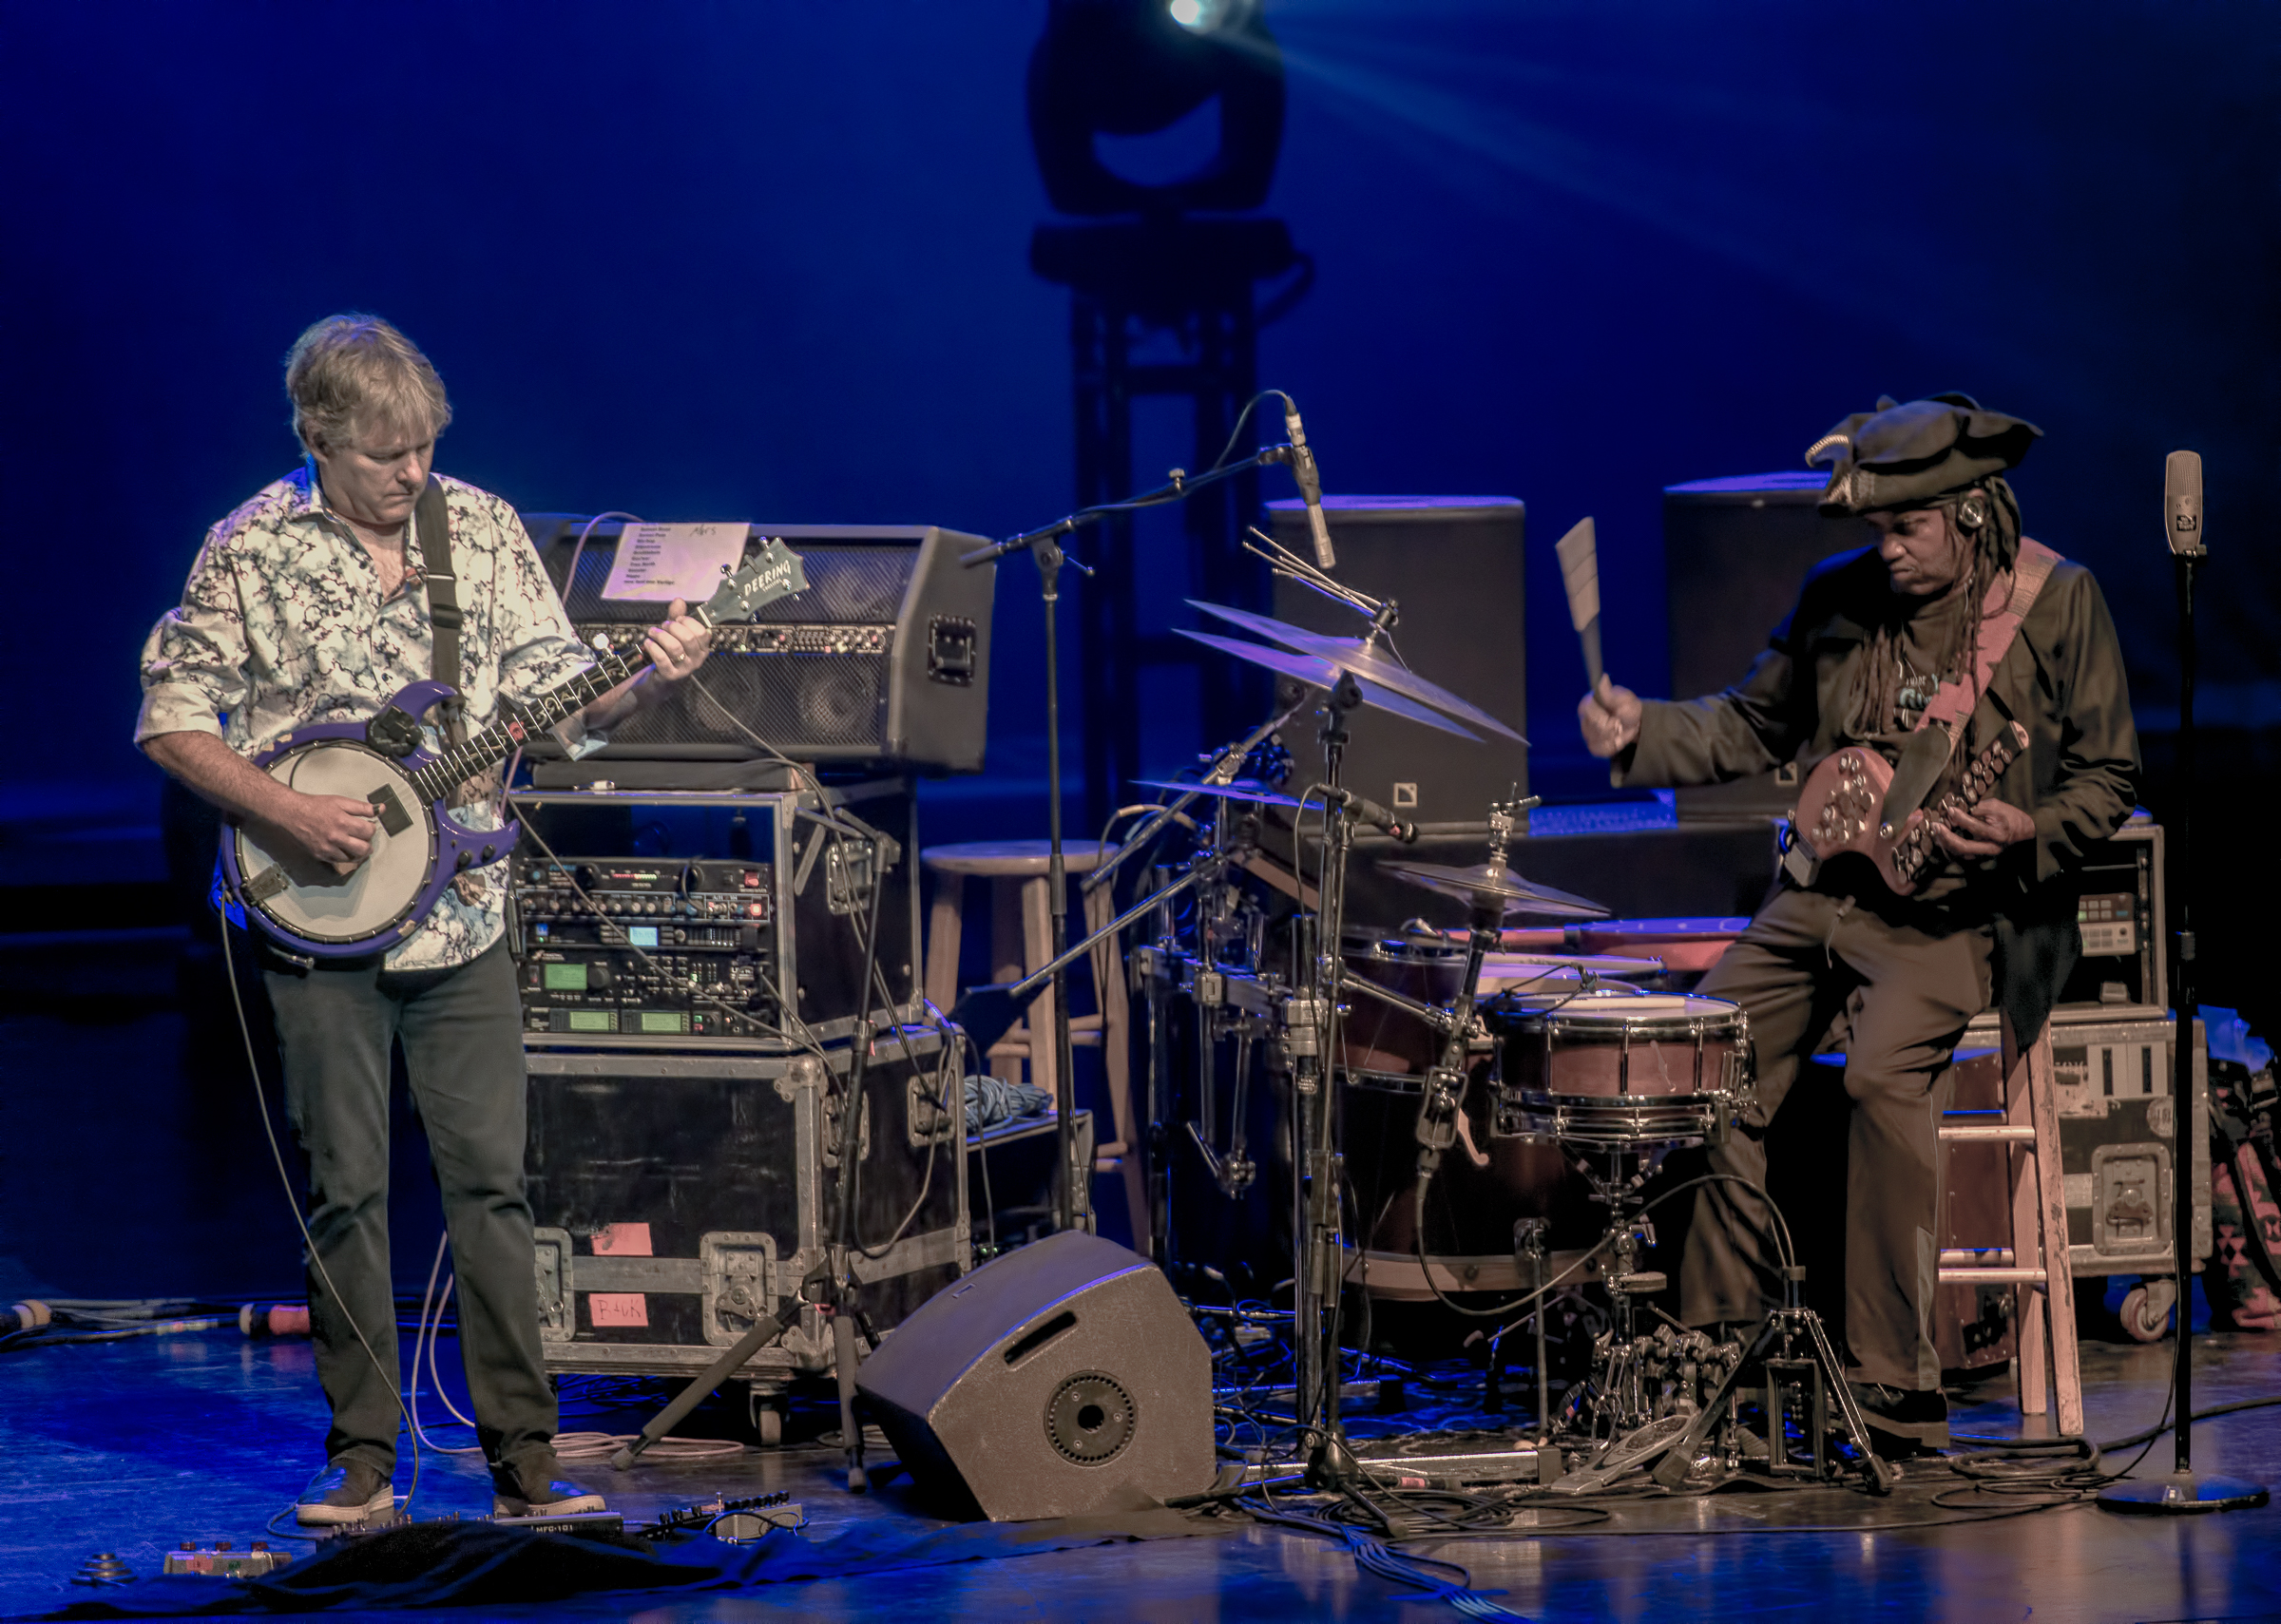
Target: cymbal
x,y
1347,654
1322,674
1477,884
1242,790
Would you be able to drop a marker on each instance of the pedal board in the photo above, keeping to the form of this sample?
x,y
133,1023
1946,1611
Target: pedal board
x,y
219,1561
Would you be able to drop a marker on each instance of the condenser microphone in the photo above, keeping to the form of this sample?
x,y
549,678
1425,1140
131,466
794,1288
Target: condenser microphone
x,y
1310,485
2182,503
1369,811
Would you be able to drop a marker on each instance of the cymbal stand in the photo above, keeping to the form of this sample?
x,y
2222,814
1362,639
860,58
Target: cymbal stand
x,y
1312,1028
1158,965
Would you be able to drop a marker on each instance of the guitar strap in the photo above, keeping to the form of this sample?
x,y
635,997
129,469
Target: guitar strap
x,y
1943,724
444,618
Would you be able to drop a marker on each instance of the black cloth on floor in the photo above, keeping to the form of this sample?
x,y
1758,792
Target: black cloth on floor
x,y
470,1564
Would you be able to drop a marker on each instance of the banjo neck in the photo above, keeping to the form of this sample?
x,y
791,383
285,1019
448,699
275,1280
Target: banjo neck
x,y
458,763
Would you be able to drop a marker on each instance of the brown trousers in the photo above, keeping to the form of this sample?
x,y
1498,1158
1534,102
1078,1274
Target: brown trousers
x,y
1906,992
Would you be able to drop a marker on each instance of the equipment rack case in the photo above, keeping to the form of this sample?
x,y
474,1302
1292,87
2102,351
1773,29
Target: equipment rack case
x,y
678,1198
586,986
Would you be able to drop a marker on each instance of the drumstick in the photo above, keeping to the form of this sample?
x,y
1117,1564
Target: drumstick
x,y
1579,574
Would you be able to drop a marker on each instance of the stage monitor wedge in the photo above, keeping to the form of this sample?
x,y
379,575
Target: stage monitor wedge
x,y
1062,1379
883,661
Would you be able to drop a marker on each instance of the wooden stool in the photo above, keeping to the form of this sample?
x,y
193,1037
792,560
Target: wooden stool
x,y
1020,942
2036,1264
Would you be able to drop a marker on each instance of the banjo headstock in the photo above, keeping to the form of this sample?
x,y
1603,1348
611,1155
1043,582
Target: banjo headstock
x,y
771,573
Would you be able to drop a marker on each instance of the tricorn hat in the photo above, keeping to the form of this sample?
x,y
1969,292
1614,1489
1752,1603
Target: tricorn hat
x,y
1899,455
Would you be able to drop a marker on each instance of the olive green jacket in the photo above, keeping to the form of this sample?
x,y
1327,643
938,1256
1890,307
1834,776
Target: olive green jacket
x,y
2062,681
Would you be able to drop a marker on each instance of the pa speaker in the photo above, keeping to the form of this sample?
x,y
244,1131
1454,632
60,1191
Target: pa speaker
x,y
1736,551
1061,1379
1455,565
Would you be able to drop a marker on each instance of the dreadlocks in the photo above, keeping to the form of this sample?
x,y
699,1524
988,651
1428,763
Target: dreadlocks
x,y
1876,684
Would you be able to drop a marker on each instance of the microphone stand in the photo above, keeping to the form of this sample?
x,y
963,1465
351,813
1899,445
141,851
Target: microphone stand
x,y
2184,1491
1044,546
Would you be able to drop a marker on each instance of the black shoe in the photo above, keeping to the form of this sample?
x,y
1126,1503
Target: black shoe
x,y
345,1492
529,1488
1902,1422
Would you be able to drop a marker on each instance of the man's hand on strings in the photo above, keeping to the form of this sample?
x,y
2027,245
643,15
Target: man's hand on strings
x,y
335,829
1983,831
1609,717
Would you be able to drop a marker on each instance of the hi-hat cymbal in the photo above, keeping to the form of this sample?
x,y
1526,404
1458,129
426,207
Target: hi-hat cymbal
x,y
1478,884
1347,654
1242,790
1322,674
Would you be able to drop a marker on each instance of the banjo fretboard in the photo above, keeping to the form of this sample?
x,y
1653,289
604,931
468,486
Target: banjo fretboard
x,y
486,749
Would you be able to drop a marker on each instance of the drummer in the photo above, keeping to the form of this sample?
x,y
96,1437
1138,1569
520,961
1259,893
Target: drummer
x,y
1876,636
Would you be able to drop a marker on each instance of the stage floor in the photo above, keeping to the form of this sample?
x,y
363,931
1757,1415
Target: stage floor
x,y
131,1447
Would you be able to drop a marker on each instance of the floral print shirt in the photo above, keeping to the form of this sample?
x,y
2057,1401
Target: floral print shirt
x,y
283,625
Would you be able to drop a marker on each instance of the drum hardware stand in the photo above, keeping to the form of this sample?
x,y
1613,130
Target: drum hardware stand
x,y
1223,771
1793,1351
1221,1009
1044,546
1529,1247
987,1012
1445,1082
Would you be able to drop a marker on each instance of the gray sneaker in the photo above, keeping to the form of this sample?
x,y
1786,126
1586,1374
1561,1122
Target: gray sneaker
x,y
527,1487
344,1492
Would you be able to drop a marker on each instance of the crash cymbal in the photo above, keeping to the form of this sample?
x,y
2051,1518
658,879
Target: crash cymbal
x,y
1347,654
1322,674
1478,884
1242,790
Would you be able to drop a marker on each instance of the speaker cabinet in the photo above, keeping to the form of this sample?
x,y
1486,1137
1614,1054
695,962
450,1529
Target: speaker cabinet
x,y
1734,553
1454,563
883,661
1061,1379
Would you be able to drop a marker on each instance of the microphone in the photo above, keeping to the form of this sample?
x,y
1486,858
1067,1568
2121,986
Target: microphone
x,y
2182,503
1310,485
1377,815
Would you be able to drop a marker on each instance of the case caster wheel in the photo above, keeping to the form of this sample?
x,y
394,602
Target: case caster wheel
x,y
2146,1310
766,1408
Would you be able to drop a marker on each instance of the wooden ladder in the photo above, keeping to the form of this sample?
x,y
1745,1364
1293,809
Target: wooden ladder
x,y
2036,1264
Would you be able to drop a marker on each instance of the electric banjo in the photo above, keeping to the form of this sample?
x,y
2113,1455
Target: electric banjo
x,y
418,846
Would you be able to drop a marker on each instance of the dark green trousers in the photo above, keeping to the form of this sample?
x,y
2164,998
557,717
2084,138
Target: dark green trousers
x,y
463,1050
1904,986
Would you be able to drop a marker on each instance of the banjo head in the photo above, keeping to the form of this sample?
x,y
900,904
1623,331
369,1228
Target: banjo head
x,y
315,902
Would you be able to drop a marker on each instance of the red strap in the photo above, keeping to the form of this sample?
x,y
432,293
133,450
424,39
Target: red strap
x,y
1998,628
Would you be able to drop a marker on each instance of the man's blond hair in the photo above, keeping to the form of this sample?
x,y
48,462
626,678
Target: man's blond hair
x,y
356,373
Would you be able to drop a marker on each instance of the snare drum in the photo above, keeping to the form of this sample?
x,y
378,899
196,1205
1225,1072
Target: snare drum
x,y
1617,1073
